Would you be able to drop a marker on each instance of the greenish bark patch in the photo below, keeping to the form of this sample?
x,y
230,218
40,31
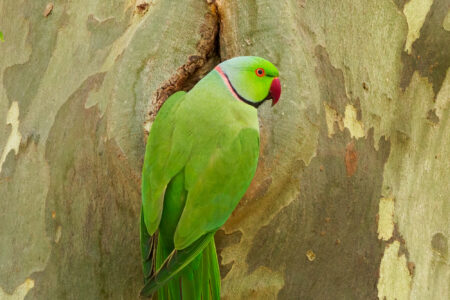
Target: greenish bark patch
x,y
105,32
41,38
24,244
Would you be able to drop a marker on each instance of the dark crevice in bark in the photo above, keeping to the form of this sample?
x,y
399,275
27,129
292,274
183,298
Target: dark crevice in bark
x,y
196,66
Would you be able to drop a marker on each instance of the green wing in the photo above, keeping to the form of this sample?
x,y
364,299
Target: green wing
x,y
212,145
218,149
216,185
212,195
161,162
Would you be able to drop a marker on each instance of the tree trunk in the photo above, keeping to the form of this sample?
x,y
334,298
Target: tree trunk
x,y
351,195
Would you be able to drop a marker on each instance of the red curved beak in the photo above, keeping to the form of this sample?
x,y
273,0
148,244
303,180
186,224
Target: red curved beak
x,y
275,90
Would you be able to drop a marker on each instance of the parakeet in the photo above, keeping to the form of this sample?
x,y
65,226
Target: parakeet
x,y
200,158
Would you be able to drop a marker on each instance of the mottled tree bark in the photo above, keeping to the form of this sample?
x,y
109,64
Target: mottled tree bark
x,y
351,195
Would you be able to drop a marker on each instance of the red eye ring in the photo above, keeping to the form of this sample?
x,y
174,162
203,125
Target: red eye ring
x,y
260,72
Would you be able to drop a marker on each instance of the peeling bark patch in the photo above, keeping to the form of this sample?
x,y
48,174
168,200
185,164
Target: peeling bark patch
x,y
104,32
442,98
194,69
411,268
22,221
439,243
446,23
332,83
352,123
48,9
334,216
58,234
396,271
41,39
401,3
310,255
429,53
20,292
13,142
332,117
432,117
365,86
263,283
417,175
223,240
257,191
142,6
351,159
95,197
386,218
349,121
395,278
415,12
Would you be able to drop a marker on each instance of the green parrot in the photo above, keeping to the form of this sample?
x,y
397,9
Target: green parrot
x,y
200,158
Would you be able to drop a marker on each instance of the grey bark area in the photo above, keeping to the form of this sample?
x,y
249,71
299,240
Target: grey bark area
x,y
351,195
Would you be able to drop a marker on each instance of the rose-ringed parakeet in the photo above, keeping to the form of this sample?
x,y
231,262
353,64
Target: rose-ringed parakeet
x,y
200,158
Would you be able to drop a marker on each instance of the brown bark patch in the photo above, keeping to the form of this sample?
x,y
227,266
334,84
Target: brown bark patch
x,y
329,76
142,7
432,117
439,243
351,159
223,240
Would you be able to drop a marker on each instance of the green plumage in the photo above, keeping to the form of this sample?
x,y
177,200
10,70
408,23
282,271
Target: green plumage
x,y
201,156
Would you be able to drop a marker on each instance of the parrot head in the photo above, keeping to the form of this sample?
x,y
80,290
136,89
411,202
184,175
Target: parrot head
x,y
251,79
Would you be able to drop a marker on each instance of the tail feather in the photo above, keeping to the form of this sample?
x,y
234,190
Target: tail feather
x,y
188,284
206,264
177,261
214,272
147,246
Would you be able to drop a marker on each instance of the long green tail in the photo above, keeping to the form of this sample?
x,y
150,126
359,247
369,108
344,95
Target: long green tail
x,y
191,273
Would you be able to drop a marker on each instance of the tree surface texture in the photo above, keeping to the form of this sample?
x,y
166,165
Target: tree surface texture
x,y
351,196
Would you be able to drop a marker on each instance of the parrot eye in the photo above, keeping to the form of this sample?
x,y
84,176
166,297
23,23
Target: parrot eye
x,y
260,72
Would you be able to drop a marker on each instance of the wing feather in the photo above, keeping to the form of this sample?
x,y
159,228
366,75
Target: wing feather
x,y
217,187
162,161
